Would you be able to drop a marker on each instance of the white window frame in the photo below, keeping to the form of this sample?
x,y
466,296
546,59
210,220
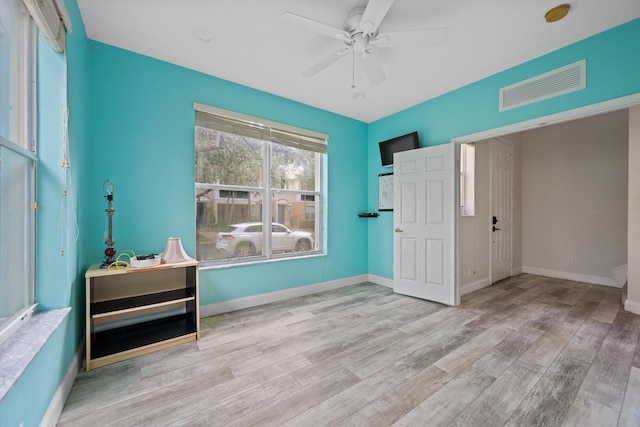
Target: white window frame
x,y
268,192
26,147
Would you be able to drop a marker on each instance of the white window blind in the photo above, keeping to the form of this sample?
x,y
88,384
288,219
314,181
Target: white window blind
x,y
52,20
253,127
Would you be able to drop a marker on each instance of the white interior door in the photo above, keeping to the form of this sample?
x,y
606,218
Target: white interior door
x,y
501,209
424,223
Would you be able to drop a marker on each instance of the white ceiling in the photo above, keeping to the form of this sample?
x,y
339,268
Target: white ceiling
x,y
253,47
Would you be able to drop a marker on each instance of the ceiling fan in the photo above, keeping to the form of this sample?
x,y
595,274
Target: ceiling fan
x,y
361,38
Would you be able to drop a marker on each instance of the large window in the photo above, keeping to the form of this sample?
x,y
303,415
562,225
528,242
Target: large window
x,y
17,165
259,188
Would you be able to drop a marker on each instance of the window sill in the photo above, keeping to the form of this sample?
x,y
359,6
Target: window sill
x,y
22,347
206,266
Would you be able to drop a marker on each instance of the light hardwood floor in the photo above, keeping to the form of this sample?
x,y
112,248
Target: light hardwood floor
x,y
528,351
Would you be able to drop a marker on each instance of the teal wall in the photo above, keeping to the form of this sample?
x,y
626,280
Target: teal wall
x,y
612,71
59,279
142,139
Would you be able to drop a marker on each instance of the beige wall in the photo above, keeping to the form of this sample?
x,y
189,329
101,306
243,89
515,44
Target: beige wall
x,y
574,185
569,202
633,301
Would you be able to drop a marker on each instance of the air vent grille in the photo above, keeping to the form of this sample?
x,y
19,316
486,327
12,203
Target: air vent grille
x,y
548,85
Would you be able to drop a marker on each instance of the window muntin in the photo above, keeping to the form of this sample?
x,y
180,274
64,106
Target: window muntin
x,y
249,175
17,166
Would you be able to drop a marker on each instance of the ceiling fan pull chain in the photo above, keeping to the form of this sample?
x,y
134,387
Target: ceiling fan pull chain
x,y
353,69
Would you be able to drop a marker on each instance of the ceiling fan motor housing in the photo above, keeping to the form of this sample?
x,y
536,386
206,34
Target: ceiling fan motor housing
x,y
359,37
354,18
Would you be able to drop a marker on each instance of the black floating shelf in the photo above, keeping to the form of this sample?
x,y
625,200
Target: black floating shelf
x,y
368,214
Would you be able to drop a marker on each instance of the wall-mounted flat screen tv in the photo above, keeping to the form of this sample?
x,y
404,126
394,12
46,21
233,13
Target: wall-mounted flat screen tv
x,y
394,145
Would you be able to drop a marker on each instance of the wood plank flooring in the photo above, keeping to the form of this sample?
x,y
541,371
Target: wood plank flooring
x,y
528,351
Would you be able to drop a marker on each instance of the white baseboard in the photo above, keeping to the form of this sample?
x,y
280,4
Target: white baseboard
x,y
585,278
256,300
516,270
632,306
474,286
51,417
382,281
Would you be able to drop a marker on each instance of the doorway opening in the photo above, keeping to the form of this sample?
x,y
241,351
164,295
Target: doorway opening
x,y
579,257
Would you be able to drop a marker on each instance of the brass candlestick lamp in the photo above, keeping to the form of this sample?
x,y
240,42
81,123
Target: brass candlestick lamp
x,y
110,252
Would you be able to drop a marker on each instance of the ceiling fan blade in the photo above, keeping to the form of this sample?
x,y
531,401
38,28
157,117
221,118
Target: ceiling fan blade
x,y
373,15
324,63
428,36
315,26
372,67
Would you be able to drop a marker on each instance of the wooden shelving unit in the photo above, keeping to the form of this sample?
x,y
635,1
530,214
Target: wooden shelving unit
x,y
139,310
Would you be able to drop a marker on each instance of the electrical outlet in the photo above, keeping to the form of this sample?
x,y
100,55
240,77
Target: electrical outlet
x,y
570,263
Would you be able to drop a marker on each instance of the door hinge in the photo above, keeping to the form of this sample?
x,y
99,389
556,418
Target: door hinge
x,y
35,205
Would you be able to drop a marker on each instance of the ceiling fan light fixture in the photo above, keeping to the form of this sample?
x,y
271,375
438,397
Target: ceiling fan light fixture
x,y
557,13
359,44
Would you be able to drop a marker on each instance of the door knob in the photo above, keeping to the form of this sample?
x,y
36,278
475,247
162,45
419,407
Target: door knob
x,y
495,229
398,230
